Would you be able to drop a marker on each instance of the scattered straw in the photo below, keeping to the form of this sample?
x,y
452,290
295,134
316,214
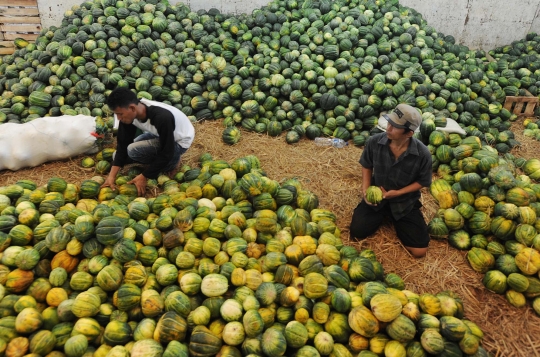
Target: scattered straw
x,y
529,148
335,176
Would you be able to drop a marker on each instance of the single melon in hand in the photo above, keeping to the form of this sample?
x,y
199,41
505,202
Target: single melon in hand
x,y
373,195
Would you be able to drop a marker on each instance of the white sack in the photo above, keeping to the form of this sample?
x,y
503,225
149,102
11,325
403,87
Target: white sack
x,y
45,139
452,127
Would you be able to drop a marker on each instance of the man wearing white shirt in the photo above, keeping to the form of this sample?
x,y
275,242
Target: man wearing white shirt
x,y
167,134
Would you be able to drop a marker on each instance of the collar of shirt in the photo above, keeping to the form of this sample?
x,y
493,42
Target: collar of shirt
x,y
411,149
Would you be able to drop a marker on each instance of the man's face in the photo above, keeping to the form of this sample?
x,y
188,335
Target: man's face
x,y
126,115
395,133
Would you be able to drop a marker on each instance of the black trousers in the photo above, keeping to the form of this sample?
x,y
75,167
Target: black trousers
x,y
411,229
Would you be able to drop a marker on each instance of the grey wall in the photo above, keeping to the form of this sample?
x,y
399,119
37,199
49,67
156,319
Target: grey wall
x,y
482,24
225,6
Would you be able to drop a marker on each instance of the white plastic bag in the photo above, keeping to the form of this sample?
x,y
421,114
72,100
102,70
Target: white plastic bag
x,y
452,127
45,139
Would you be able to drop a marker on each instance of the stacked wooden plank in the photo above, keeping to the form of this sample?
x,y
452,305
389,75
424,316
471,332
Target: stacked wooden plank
x,y
18,19
522,106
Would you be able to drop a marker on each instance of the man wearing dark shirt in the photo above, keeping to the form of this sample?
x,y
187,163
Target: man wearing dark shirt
x,y
400,165
167,134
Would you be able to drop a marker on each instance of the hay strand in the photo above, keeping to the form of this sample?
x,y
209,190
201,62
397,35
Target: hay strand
x,y
335,176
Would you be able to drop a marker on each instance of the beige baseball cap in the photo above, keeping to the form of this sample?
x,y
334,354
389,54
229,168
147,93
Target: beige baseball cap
x,y
404,117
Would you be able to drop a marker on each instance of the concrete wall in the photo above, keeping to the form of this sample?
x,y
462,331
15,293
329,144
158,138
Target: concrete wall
x,y
482,24
52,11
225,6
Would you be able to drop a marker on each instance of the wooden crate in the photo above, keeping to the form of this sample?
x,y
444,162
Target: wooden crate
x,y
521,106
18,19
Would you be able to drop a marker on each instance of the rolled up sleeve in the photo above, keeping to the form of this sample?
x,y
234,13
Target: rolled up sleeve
x,y
366,159
425,172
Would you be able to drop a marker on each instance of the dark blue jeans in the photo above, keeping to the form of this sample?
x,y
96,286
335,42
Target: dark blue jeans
x,y
145,148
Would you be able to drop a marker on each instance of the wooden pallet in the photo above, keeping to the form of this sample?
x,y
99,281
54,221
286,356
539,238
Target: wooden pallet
x,y
18,19
521,106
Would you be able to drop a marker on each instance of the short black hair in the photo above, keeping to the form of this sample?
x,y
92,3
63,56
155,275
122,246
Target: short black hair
x,y
121,97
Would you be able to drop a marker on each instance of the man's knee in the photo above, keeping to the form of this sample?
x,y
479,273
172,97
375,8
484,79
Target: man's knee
x,y
356,236
359,231
364,222
132,152
136,151
417,252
